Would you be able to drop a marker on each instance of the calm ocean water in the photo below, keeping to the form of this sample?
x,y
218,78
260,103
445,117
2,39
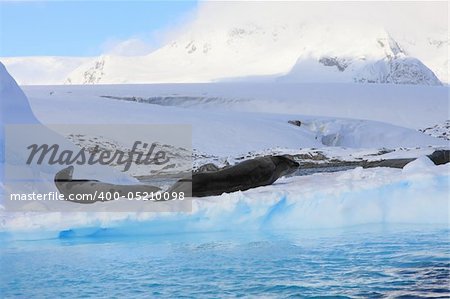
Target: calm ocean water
x,y
360,262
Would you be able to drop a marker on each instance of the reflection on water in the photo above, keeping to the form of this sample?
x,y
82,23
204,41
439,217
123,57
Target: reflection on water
x,y
366,262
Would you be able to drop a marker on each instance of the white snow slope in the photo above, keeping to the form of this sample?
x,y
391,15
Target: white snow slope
x,y
414,107
42,70
224,132
15,110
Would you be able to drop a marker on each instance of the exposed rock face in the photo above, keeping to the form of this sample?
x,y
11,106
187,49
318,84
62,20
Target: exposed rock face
x,y
441,130
340,63
391,65
94,74
440,157
295,122
398,70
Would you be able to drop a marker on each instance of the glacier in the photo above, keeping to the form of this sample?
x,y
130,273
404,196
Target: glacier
x,y
417,194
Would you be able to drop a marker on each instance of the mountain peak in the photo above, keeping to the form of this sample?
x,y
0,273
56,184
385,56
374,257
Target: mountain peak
x,y
295,52
301,42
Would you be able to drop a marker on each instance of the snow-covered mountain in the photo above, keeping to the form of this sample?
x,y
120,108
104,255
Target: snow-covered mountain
x,y
394,67
42,70
296,42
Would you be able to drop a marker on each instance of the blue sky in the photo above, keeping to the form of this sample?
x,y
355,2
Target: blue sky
x,y
84,28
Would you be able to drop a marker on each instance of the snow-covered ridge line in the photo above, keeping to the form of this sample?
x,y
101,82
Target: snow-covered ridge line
x,y
375,59
42,70
298,42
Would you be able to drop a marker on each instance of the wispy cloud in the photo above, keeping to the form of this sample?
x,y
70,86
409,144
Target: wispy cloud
x,y
130,47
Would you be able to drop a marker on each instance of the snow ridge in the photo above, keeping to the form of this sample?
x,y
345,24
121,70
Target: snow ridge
x,y
395,43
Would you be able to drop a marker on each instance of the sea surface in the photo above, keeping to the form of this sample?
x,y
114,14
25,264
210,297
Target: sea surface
x,y
369,261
